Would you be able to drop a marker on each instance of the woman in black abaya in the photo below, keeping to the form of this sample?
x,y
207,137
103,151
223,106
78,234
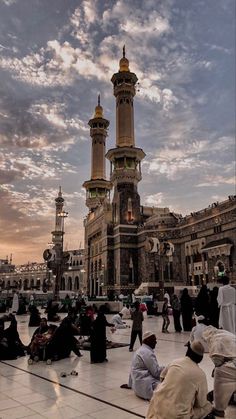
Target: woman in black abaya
x,y
187,310
98,351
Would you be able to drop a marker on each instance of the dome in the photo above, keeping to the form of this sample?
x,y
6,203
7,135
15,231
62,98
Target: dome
x,y
98,113
124,64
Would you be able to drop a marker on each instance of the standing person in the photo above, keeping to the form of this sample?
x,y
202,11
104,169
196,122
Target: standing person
x,y
187,310
35,318
227,300
98,352
167,295
214,310
166,320
202,302
137,326
15,303
222,351
176,313
183,393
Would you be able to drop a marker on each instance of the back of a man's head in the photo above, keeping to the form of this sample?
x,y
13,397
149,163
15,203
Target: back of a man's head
x,y
195,351
225,280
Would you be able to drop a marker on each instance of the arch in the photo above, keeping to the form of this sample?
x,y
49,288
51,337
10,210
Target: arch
x,y
25,283
63,284
76,283
69,284
32,283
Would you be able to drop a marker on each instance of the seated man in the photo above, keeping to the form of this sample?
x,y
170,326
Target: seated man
x,y
145,370
126,312
222,350
117,321
183,393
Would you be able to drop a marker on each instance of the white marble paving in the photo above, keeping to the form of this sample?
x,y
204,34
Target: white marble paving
x,y
24,395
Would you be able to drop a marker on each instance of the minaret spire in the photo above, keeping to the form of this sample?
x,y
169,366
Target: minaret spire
x,y
124,51
97,187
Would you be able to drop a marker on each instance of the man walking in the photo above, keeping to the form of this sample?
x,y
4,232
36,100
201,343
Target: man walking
x,y
227,300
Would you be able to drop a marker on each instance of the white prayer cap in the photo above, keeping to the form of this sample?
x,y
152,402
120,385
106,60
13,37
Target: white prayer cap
x,y
147,335
201,317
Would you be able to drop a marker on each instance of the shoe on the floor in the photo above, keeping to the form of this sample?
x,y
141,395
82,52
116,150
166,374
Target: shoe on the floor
x,y
219,413
125,386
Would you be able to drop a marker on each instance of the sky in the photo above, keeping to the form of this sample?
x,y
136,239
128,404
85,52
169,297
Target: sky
x,y
57,55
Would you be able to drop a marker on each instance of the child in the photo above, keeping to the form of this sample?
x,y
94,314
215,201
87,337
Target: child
x,y
166,320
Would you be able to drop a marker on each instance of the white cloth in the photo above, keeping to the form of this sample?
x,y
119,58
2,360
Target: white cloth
x,y
196,334
15,303
145,372
220,342
166,295
227,303
182,394
117,321
126,313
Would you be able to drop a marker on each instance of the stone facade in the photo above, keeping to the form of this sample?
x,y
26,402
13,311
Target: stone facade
x,y
116,231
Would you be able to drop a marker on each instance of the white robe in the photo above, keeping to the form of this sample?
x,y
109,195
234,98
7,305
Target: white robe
x,y
196,334
145,372
15,303
117,321
227,300
182,394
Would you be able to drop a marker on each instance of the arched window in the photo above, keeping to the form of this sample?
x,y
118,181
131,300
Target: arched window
x,y
76,283
69,283
63,284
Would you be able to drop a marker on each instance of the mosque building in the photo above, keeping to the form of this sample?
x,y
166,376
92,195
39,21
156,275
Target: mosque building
x,y
130,246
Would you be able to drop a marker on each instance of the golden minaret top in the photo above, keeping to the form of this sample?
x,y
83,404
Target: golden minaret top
x,y
124,62
98,110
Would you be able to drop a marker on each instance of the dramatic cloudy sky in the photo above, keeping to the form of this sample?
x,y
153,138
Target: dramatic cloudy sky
x,y
56,55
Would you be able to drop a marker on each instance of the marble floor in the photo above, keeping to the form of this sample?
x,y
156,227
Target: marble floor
x,y
37,391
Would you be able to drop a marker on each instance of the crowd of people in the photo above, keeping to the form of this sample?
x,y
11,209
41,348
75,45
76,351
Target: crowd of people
x,y
181,382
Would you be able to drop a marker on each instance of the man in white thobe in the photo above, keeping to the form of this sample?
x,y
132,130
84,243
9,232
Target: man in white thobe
x,y
183,393
227,303
117,321
145,370
222,350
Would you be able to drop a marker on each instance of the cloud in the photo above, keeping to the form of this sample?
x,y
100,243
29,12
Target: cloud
x,y
154,200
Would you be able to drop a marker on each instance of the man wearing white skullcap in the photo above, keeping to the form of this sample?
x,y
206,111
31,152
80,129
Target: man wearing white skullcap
x,y
145,370
183,393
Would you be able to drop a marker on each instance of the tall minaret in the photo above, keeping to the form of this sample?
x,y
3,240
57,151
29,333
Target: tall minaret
x,y
125,158
97,188
57,234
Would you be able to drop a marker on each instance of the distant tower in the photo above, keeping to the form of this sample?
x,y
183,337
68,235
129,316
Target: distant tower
x,y
57,234
125,158
97,188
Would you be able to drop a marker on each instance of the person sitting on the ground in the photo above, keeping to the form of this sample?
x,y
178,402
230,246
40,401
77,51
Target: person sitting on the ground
x,y
51,311
63,341
222,351
117,321
85,322
197,331
35,318
145,371
126,312
22,305
43,327
40,340
183,393
12,346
